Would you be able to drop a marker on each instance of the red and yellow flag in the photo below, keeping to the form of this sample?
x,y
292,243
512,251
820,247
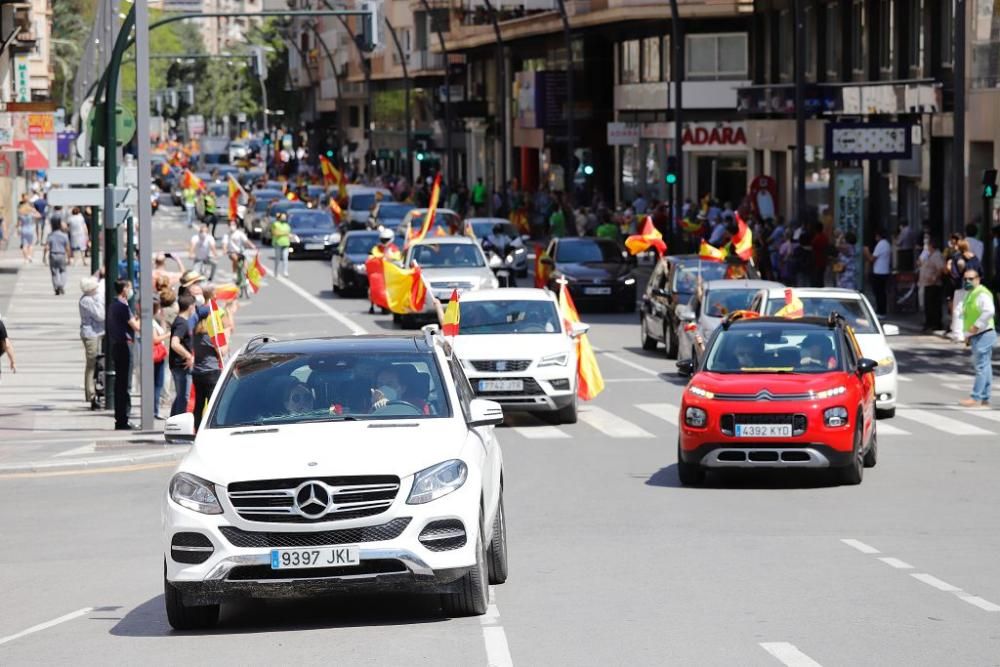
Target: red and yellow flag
x,y
234,197
404,288
431,211
542,269
376,280
216,328
451,316
189,180
650,237
793,307
589,381
255,274
743,240
338,213
328,170
165,168
710,252
227,292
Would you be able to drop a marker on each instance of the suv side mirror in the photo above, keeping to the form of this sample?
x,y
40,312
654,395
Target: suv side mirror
x,y
866,365
578,329
179,428
685,367
685,314
890,329
485,413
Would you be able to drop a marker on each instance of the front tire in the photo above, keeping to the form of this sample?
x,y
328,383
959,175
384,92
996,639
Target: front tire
x,y
648,342
853,473
871,456
498,546
568,414
670,342
689,474
473,589
182,616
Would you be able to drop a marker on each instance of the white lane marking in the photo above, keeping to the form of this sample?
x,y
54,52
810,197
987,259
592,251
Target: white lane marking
x,y
977,601
47,624
665,411
861,546
889,429
610,424
941,423
789,654
89,448
903,378
934,582
956,387
626,362
896,563
494,637
612,380
540,432
355,328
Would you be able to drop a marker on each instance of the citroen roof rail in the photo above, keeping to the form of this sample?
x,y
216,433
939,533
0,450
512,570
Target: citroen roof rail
x,y
257,341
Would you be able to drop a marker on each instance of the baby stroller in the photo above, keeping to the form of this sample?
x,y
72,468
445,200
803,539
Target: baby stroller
x,y
98,401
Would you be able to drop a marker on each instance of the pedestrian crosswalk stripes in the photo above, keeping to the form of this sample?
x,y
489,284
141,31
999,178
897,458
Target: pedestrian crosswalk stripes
x,y
541,432
939,422
611,424
885,428
665,411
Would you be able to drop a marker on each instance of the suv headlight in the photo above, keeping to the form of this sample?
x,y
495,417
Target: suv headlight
x,y
554,360
627,280
361,268
835,416
437,481
885,366
194,493
294,238
695,417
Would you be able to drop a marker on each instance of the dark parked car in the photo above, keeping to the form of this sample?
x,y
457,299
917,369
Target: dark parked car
x,y
313,233
598,272
388,214
348,264
672,283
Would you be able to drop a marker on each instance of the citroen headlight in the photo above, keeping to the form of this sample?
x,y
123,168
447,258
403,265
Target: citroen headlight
x,y
194,493
702,393
332,239
554,360
437,481
361,268
695,417
885,366
835,416
830,393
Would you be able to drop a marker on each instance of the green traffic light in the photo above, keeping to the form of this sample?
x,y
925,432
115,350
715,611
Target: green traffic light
x,y
671,179
420,157
329,153
989,192
588,170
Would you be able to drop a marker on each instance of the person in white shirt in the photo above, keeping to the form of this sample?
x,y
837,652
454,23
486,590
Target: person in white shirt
x,y
236,244
881,260
975,245
203,252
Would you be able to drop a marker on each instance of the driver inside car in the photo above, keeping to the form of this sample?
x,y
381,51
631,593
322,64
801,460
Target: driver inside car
x,y
388,388
817,352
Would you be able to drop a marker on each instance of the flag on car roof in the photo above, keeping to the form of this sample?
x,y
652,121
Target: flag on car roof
x,y
743,240
255,274
328,170
543,269
589,381
649,237
449,327
338,213
405,291
710,252
431,210
793,307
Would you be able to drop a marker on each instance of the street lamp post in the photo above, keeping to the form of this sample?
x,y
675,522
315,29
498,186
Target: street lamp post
x,y
449,172
570,176
801,211
677,63
406,101
501,97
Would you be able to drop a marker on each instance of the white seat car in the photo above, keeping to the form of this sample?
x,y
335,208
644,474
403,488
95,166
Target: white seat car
x,y
339,464
854,306
517,351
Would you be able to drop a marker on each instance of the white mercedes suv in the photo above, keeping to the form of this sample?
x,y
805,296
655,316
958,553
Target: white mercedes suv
x,y
518,351
338,464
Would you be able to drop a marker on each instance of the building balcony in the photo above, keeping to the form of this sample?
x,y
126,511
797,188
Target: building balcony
x,y
870,98
422,61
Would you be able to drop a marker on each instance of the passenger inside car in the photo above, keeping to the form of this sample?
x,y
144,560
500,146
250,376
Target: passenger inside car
x,y
817,352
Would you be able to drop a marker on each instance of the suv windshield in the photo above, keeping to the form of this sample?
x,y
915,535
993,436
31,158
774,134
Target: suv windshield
x,y
507,317
433,256
362,201
295,388
855,312
719,303
310,220
590,250
360,245
393,211
774,348
686,276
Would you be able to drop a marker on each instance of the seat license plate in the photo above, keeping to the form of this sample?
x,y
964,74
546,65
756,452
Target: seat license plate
x,y
763,430
597,290
501,385
291,559
314,246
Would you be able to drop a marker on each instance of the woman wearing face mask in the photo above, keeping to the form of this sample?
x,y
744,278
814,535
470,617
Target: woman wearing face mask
x,y
388,388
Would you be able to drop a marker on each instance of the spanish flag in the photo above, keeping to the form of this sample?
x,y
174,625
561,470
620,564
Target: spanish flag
x,y
589,382
711,253
542,269
255,274
451,316
376,280
793,308
165,168
743,240
227,292
189,180
234,197
431,211
404,288
328,171
338,213
216,329
649,238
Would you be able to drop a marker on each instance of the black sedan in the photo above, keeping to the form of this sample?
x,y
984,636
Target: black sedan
x,y
598,272
313,233
388,214
348,265
276,207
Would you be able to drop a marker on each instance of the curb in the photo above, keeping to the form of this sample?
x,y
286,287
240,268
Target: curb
x,y
98,462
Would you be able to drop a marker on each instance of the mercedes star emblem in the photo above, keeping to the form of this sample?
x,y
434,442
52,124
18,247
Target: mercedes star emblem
x,y
312,500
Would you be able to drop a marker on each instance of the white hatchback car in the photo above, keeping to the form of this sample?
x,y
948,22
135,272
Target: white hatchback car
x,y
517,351
854,306
340,464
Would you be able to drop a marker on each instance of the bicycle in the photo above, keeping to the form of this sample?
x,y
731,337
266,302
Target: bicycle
x,y
239,260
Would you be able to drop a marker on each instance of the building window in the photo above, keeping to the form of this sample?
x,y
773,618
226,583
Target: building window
x,y
665,59
858,36
947,32
717,56
834,46
630,62
886,24
651,60
811,42
786,45
917,35
354,116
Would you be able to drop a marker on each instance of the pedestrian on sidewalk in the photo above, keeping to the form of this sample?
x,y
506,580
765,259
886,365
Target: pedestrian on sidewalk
x,y
122,325
59,254
161,336
964,260
181,359
7,346
189,197
91,330
929,278
79,235
207,368
281,239
979,324
26,216
881,261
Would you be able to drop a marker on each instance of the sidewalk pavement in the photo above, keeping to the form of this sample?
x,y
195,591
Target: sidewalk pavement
x,y
45,423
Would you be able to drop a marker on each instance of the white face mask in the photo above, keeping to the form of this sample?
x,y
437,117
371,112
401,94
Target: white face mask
x,y
389,392
199,299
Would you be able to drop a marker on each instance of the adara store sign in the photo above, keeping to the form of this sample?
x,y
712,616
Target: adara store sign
x,y
714,136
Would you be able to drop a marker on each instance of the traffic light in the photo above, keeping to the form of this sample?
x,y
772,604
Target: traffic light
x,y
329,152
989,183
420,156
267,139
670,176
588,169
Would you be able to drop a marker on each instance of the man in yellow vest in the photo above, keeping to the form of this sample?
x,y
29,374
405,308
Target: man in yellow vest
x,y
978,323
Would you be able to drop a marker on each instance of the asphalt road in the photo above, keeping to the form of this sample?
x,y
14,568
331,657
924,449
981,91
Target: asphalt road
x,y
612,563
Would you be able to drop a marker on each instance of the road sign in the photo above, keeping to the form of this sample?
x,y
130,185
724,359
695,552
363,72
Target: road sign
x,y
77,176
869,141
76,197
